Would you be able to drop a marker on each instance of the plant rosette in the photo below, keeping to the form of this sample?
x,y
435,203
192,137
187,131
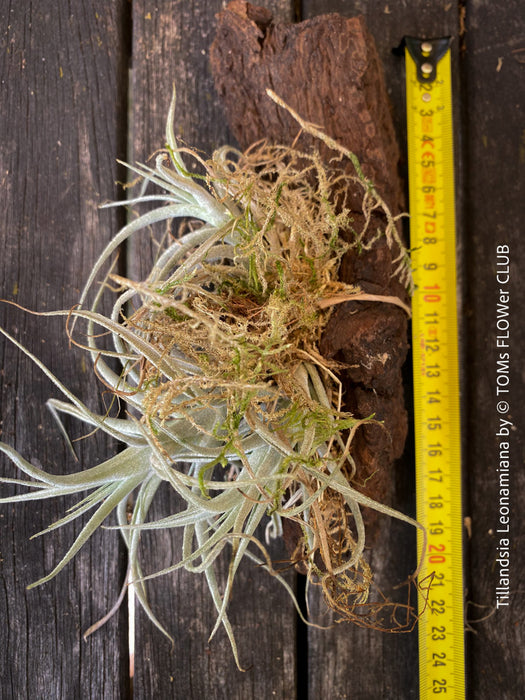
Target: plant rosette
x,y
226,395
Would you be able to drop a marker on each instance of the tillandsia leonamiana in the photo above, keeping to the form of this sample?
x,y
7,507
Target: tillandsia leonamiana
x,y
228,398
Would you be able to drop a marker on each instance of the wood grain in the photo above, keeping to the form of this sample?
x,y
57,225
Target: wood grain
x,y
170,47
494,118
62,104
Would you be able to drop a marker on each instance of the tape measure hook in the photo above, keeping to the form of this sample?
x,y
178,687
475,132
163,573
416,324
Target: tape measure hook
x,y
427,53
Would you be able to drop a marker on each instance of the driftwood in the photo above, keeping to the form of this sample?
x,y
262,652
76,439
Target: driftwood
x,y
327,69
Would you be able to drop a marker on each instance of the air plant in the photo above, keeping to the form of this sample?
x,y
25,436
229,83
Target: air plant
x,y
227,396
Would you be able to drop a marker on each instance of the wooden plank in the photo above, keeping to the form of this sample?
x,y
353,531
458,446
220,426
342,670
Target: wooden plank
x,y
495,179
346,661
170,45
283,58
62,90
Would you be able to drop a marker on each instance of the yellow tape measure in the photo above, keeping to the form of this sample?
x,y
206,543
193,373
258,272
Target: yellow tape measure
x,y
435,358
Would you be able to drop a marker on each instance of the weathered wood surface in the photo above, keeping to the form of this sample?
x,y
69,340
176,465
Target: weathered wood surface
x,y
62,72
173,39
63,86
494,172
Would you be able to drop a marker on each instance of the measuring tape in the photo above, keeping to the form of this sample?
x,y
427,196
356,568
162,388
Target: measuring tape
x,y
435,358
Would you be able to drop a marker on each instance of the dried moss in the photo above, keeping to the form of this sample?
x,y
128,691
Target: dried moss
x,y
221,370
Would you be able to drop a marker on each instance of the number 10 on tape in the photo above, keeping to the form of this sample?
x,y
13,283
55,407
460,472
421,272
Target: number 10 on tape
x,y
435,360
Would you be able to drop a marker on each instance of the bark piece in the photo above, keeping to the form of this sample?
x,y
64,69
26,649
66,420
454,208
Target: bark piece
x,y
328,70
325,68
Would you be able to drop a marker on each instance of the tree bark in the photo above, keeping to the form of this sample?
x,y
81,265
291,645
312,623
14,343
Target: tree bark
x,y
327,69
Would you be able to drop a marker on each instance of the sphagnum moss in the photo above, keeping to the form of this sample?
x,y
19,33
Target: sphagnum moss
x,y
230,400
